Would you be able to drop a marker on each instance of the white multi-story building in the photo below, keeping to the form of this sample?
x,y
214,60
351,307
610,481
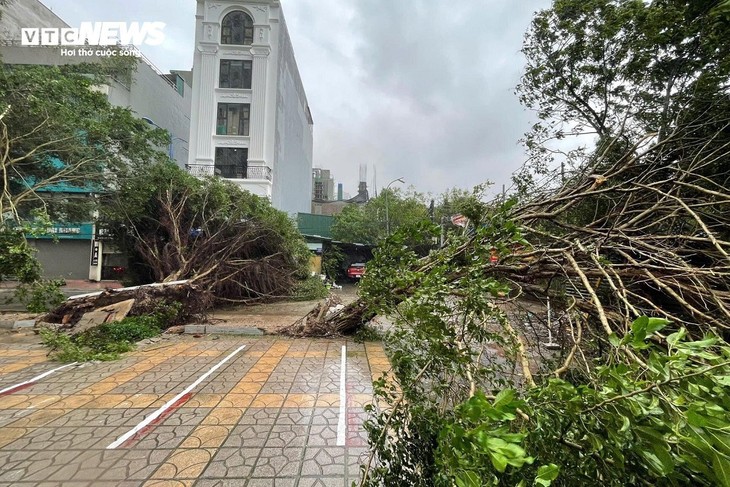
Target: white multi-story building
x,y
250,119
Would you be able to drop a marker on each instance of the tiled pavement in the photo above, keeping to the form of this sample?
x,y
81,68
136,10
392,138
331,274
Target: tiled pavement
x,y
267,417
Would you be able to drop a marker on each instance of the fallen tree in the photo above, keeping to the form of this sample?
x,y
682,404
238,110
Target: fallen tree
x,y
187,302
643,234
229,243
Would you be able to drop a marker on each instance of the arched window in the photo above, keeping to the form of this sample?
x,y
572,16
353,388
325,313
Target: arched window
x,y
237,28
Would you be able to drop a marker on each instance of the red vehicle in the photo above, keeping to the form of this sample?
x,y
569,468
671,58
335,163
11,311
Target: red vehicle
x,y
356,271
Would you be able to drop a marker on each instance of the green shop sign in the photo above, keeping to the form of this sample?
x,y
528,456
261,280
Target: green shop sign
x,y
68,231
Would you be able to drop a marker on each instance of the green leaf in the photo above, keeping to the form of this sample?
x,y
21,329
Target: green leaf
x,y
614,339
546,474
655,324
468,479
721,467
504,398
499,462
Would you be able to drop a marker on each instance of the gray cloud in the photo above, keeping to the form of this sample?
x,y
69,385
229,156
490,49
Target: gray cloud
x,y
423,89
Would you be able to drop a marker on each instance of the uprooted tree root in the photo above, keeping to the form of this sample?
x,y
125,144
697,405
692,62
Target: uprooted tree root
x,y
193,303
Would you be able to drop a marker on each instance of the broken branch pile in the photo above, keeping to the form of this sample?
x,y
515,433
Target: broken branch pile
x,y
647,233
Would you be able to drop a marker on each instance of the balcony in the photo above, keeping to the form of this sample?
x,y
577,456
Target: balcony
x,y
230,171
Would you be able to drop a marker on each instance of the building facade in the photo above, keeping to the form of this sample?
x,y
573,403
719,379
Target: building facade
x,y
250,122
323,185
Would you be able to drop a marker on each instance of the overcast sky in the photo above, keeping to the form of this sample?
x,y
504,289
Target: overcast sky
x,y
420,89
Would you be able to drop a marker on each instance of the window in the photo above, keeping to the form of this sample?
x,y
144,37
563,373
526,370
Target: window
x,y
235,74
233,118
237,28
231,163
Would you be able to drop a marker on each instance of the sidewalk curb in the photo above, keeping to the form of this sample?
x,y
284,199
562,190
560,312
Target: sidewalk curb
x,y
228,330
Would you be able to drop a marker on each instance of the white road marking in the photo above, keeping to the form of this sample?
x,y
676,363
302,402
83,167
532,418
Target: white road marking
x,y
36,378
146,421
342,422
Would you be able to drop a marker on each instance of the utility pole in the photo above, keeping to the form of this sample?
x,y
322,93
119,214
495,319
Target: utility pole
x,y
387,216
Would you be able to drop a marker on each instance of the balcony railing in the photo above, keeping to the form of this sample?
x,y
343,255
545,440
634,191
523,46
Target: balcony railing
x,y
230,171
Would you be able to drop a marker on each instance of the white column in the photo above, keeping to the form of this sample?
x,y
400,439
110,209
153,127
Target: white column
x,y
206,111
95,259
258,104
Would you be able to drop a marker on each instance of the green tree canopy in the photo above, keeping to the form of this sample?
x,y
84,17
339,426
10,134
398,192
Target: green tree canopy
x,y
620,69
368,224
59,134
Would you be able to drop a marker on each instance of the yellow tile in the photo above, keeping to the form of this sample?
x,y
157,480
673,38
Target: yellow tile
x,y
169,483
12,400
99,388
359,400
184,464
236,400
255,377
206,436
268,401
36,401
106,401
204,401
328,400
224,416
163,400
75,401
9,435
7,369
245,387
139,401
272,362
300,400
39,418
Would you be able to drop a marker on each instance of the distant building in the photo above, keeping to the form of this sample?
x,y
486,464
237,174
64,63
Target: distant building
x,y
323,185
251,122
163,100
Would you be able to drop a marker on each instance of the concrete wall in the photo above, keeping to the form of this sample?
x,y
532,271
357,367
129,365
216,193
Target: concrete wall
x,y
26,13
151,96
294,134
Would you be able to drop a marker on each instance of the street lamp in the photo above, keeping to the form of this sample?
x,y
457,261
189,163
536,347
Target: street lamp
x,y
170,150
387,217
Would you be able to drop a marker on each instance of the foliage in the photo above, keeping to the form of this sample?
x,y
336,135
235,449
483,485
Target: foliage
x,y
61,137
310,289
664,423
18,262
59,140
607,72
648,411
104,342
40,295
368,333
228,241
631,247
332,260
367,223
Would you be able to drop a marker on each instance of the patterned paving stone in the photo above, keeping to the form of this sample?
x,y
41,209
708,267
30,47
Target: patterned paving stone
x,y
268,417
185,464
250,435
229,463
324,461
279,462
